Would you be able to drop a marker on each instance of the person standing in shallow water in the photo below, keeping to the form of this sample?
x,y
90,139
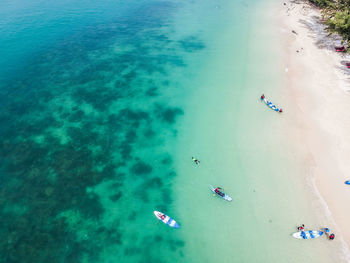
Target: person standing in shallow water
x,y
327,231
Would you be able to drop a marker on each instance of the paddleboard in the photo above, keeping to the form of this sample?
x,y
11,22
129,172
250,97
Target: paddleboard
x,y
347,182
222,194
270,105
166,219
308,234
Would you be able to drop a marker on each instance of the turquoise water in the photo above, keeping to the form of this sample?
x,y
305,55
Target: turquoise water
x,y
102,106
243,146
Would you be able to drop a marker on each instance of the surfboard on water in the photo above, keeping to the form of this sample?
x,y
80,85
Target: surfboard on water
x,y
222,194
166,220
308,234
347,182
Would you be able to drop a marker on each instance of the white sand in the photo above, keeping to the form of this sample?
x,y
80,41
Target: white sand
x,y
318,112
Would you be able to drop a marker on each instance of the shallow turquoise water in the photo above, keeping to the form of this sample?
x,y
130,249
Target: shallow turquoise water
x,y
243,148
103,105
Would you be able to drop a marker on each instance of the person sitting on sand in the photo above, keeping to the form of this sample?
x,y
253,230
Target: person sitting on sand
x,y
280,111
331,236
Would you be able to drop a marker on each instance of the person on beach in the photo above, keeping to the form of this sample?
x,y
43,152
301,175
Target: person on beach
x,y
280,111
195,160
331,236
301,228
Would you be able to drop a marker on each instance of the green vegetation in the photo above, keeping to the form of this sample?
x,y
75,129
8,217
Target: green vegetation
x,y
336,16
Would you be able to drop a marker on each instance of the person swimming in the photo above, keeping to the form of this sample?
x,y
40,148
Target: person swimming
x,y
195,160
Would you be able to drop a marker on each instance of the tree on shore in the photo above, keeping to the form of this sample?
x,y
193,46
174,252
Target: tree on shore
x,y
336,15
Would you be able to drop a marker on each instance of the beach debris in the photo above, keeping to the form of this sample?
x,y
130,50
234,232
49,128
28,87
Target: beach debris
x,y
294,32
270,105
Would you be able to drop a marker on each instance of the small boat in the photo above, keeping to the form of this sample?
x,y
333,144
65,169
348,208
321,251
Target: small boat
x,y
308,234
270,105
166,219
340,49
347,182
220,194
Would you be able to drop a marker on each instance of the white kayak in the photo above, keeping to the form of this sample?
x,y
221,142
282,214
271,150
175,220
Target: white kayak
x,y
166,219
220,194
308,234
271,105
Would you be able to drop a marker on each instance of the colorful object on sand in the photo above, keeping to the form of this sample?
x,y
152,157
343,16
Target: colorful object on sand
x,y
309,234
166,219
340,49
220,194
270,105
347,182
347,64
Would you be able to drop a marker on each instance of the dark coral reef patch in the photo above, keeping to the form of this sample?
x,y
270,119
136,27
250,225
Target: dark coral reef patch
x,y
64,135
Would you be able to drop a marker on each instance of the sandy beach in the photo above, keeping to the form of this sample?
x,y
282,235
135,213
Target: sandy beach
x,y
316,91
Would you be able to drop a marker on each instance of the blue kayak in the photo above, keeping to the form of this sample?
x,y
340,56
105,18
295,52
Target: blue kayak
x,y
271,105
308,234
166,219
